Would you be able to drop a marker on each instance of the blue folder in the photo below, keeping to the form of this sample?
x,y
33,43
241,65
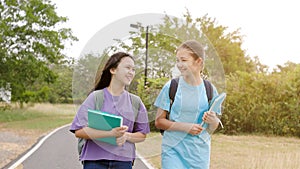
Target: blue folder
x,y
215,106
216,103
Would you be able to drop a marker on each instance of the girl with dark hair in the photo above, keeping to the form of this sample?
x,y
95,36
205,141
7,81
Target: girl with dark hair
x,y
118,72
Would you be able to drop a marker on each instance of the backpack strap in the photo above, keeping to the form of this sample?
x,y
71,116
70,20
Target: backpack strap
x,y
173,89
99,99
209,90
136,102
172,93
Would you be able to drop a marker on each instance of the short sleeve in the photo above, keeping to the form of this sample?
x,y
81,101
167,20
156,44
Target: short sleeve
x,y
142,122
81,118
163,101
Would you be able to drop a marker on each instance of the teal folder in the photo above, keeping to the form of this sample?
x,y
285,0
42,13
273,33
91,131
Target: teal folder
x,y
104,121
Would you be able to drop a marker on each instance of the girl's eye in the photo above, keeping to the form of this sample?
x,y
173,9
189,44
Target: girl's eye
x,y
131,69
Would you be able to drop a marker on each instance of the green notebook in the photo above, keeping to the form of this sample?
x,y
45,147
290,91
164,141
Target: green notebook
x,y
104,121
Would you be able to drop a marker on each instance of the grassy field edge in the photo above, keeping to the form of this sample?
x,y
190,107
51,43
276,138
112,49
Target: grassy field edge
x,y
234,152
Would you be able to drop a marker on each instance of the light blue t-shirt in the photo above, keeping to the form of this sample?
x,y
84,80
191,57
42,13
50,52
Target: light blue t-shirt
x,y
180,149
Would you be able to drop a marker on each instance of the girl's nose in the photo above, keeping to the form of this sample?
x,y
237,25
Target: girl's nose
x,y
179,64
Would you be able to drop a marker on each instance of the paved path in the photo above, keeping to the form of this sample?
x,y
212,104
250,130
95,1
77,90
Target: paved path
x,y
57,150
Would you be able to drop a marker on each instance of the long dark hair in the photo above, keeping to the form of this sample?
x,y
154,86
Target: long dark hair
x,y
105,77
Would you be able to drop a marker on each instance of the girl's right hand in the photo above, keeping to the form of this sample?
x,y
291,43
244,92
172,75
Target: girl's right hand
x,y
194,129
119,131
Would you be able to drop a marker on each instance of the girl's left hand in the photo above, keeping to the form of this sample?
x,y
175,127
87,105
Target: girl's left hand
x,y
210,118
121,140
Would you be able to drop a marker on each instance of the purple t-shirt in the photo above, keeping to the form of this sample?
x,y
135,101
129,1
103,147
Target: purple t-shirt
x,y
118,105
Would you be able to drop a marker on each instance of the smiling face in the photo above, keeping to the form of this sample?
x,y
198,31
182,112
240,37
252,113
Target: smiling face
x,y
187,64
125,71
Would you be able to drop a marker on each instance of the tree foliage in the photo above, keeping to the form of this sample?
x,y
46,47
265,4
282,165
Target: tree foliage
x,y
30,44
164,39
223,50
61,90
86,71
258,101
264,103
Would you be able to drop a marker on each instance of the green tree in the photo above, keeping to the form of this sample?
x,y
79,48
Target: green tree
x,y
86,70
263,103
165,37
227,44
223,48
30,44
61,89
161,49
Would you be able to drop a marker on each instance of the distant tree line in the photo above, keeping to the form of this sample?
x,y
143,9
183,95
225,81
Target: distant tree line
x,y
258,100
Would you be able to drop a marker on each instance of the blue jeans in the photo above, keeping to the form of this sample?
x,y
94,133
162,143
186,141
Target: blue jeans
x,y
107,164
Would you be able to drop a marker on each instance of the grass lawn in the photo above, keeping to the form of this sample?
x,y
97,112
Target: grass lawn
x,y
238,152
228,152
38,117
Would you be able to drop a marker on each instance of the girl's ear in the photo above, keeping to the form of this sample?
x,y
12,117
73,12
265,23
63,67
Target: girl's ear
x,y
199,60
112,71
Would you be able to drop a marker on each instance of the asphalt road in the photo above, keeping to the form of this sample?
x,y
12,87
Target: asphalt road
x,y
58,151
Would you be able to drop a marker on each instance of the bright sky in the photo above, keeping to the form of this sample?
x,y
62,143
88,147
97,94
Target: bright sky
x,y
271,28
